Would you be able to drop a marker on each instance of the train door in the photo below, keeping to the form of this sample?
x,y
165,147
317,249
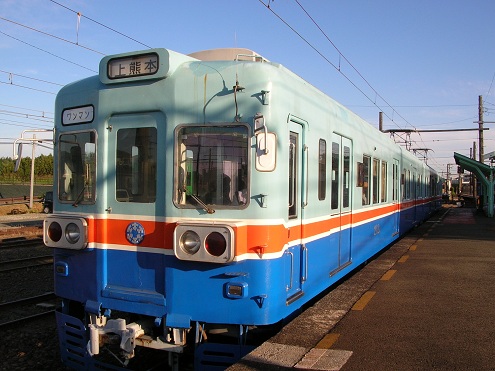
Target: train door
x,y
296,255
131,193
395,195
340,195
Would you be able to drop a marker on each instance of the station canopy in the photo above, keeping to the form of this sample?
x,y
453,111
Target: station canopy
x,y
484,174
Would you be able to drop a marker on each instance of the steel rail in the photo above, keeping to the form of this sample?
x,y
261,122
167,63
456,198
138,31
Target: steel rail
x,y
26,301
17,264
20,242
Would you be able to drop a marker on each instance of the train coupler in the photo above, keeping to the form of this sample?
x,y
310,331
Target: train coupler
x,y
127,336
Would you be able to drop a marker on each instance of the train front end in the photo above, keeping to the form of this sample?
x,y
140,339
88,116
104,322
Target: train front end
x,y
161,228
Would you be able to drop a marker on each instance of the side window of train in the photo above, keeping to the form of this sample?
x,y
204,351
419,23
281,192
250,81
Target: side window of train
x,y
395,175
335,175
341,175
77,167
376,180
293,150
366,180
347,177
135,171
408,185
212,166
322,169
383,188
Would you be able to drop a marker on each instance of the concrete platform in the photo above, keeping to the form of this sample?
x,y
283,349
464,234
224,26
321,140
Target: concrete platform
x,y
428,302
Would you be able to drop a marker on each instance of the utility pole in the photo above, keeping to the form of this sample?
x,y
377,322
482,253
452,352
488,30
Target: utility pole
x,y
473,178
17,156
480,123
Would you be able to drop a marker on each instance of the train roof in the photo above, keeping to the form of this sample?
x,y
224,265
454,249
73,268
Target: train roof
x,y
228,54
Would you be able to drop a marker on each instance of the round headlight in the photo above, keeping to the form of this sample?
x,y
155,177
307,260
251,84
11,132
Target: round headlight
x,y
215,244
55,231
190,242
72,233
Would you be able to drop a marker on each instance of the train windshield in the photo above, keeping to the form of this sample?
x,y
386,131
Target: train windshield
x,y
77,167
212,166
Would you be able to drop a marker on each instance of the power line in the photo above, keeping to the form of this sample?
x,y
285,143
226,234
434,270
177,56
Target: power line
x,y
31,78
53,36
339,67
348,62
27,87
100,24
491,84
341,55
26,115
417,106
24,125
45,51
26,109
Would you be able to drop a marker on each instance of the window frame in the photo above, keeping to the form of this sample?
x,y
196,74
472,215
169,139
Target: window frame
x,y
236,199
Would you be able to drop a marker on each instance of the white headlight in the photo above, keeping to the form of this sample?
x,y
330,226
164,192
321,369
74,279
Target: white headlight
x,y
72,233
190,242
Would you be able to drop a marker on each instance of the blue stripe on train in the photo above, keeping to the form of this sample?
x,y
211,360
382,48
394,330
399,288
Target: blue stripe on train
x,y
159,285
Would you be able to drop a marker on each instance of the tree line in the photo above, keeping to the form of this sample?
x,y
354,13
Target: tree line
x,y
43,170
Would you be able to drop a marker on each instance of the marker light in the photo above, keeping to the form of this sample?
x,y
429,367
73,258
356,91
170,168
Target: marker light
x,y
215,244
55,231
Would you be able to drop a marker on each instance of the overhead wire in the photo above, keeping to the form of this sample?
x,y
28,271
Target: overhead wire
x,y
79,14
53,36
30,78
45,51
27,87
350,64
11,82
491,84
339,69
341,55
26,115
11,75
26,109
23,124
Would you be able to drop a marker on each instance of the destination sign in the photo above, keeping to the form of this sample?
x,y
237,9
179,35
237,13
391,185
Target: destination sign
x,y
133,66
78,115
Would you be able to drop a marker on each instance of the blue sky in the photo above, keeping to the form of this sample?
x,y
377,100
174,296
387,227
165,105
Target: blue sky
x,y
423,63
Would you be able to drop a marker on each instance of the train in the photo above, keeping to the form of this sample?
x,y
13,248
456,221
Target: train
x,y
207,193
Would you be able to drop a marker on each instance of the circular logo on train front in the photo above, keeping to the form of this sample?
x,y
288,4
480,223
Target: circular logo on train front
x,y
135,233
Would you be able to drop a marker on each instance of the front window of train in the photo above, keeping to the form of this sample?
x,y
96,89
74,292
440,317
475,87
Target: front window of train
x,y
212,166
77,167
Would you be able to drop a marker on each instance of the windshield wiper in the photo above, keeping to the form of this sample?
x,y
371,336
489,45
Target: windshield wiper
x,y
80,196
203,205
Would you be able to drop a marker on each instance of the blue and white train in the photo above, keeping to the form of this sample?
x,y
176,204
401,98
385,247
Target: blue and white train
x,y
212,190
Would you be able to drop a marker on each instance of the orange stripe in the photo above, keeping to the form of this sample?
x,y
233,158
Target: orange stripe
x,y
260,239
113,231
373,213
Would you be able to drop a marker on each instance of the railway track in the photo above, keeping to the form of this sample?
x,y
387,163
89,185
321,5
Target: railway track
x,y
27,309
15,242
24,263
